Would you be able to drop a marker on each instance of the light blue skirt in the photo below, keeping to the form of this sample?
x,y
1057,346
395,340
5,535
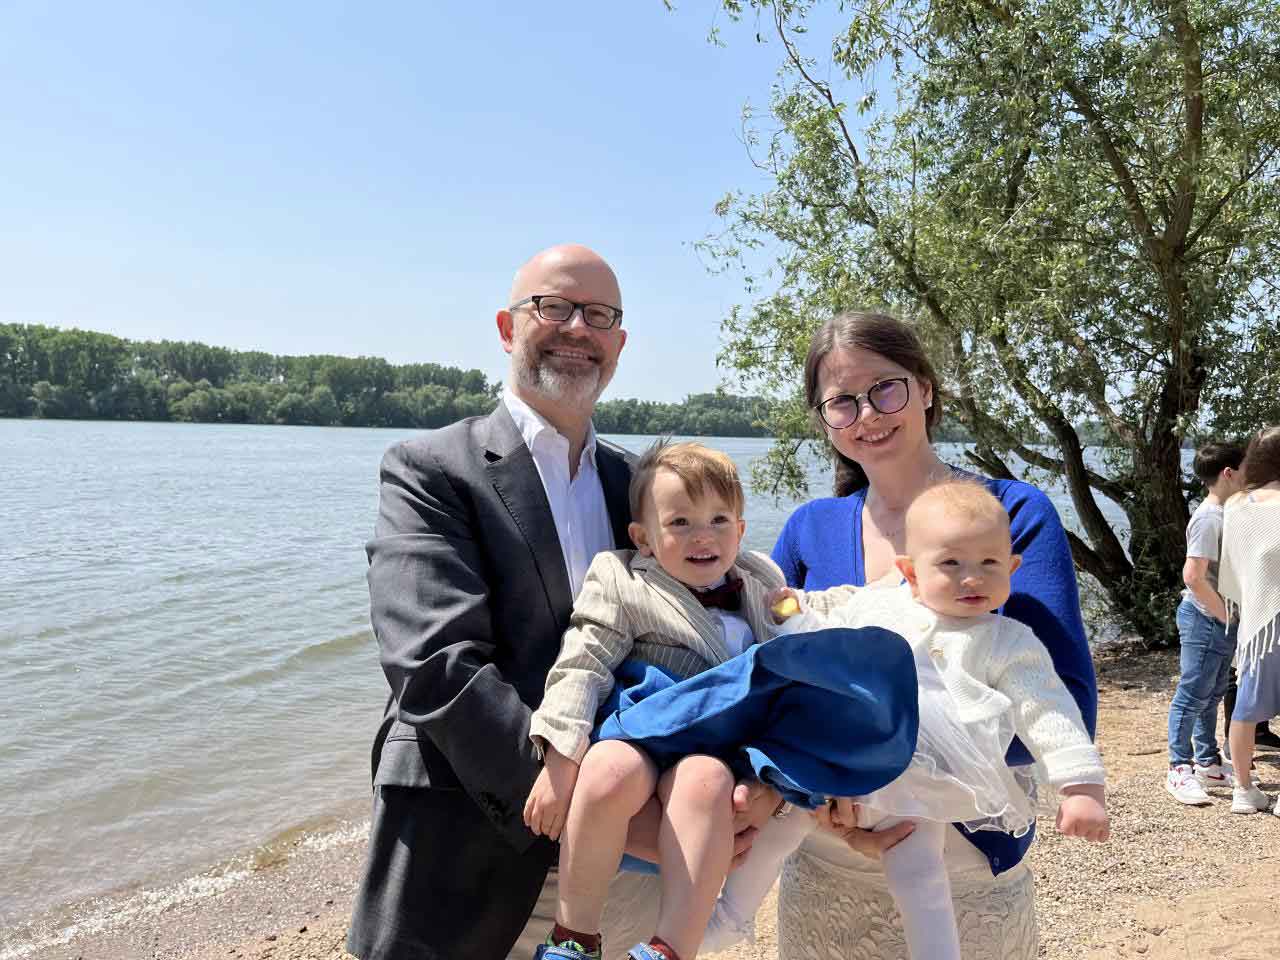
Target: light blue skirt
x,y
1258,690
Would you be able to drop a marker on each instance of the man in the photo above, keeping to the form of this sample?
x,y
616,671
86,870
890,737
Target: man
x,y
1207,643
485,531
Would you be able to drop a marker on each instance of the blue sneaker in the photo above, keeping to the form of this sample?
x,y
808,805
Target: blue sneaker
x,y
569,950
642,951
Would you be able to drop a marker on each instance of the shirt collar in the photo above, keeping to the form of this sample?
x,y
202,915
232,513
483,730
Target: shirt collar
x,y
533,425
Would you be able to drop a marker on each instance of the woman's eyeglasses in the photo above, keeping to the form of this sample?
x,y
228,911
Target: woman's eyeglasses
x,y
887,396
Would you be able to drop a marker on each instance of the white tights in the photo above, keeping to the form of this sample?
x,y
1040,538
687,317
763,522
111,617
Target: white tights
x,y
914,869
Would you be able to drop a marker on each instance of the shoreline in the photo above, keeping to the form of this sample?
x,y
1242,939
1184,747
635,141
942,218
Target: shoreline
x,y
322,853
1170,884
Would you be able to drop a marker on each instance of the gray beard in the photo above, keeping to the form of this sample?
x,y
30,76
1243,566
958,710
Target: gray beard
x,y
560,386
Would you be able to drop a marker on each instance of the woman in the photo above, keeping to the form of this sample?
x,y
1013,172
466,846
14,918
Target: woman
x,y
876,398
1249,578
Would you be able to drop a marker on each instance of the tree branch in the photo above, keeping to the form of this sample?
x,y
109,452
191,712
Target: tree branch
x,y
1193,129
1089,561
1222,201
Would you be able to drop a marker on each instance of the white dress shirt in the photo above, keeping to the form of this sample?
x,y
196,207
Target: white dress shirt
x,y
577,505
734,629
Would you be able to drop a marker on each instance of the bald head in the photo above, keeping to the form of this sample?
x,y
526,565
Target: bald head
x,y
569,270
967,502
560,366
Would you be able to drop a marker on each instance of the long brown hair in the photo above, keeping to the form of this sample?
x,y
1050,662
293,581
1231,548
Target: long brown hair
x,y
890,338
1262,458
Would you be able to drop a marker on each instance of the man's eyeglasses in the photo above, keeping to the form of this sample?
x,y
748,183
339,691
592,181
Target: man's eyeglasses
x,y
558,310
887,396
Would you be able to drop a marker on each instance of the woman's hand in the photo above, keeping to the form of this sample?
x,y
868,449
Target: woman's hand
x,y
839,817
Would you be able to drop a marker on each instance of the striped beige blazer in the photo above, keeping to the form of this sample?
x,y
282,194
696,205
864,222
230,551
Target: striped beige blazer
x,y
630,607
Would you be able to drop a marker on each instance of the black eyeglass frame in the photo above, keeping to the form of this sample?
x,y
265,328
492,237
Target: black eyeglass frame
x,y
537,298
857,399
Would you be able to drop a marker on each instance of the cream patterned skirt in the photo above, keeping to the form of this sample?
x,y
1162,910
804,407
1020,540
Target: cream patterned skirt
x,y
831,910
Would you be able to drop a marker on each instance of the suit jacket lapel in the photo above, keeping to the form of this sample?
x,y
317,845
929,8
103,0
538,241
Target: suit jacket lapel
x,y
705,634
514,475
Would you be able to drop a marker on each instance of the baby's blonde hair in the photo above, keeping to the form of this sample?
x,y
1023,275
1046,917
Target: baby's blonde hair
x,y
967,500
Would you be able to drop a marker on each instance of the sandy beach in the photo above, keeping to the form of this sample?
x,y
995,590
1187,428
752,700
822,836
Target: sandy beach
x,y
1173,882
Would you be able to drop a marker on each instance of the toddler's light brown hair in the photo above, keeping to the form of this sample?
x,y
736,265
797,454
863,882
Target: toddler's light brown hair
x,y
701,470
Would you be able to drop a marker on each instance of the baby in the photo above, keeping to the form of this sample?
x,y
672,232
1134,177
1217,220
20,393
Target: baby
x,y
684,601
983,678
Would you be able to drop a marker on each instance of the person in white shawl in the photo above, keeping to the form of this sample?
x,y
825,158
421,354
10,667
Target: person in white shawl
x,y
1249,580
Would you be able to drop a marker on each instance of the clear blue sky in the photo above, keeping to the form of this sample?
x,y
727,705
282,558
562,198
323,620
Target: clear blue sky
x,y
364,178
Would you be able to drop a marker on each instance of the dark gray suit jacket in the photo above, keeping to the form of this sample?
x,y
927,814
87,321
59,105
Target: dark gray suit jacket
x,y
469,598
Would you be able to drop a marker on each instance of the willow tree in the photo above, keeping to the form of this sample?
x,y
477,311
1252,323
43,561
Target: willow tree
x,y
1076,202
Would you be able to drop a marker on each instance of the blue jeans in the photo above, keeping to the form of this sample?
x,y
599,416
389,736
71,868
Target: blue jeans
x,y
1205,666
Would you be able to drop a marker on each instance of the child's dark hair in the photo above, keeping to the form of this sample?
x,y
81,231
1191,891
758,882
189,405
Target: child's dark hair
x,y
1214,457
1262,459
699,468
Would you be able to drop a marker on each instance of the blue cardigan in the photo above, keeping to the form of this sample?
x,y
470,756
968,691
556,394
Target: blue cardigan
x,y
821,547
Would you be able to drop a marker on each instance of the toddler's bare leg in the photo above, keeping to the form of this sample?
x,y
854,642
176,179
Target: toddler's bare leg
x,y
917,877
696,844
615,781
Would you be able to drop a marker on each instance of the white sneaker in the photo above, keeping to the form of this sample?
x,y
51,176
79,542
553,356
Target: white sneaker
x,y
1215,775
1183,786
1251,800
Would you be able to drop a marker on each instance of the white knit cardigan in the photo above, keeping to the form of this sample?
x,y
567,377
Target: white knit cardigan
x,y
1249,574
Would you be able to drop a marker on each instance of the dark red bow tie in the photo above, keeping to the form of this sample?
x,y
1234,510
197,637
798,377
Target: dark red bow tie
x,y
727,596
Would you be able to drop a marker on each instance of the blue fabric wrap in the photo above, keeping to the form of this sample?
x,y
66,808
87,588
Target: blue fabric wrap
x,y
831,713
825,714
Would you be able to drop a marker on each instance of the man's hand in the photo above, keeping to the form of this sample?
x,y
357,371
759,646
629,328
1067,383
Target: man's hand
x,y
642,835
753,805
548,804
840,817
1083,812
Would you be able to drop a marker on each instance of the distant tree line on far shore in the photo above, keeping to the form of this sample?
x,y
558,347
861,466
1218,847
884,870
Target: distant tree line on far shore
x,y
79,374
53,373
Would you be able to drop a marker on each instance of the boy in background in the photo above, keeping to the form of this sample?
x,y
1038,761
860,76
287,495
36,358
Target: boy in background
x,y
1207,641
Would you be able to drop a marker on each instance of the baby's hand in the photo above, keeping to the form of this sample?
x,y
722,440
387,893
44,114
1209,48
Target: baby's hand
x,y
548,804
1083,813
783,603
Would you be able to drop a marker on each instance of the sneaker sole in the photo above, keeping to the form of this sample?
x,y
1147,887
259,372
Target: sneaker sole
x,y
1187,803
1246,811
